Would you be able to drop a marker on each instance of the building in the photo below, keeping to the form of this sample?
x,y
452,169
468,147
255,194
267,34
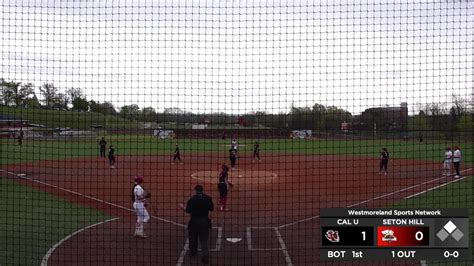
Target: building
x,y
386,118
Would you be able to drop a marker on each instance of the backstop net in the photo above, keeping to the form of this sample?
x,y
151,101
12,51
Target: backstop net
x,y
237,132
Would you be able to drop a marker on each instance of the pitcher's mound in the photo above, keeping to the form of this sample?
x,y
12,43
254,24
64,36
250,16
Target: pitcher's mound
x,y
237,177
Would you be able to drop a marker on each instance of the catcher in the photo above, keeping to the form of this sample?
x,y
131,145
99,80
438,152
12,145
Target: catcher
x,y
139,197
223,187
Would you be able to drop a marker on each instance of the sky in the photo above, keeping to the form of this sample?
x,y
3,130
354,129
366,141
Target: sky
x,y
241,56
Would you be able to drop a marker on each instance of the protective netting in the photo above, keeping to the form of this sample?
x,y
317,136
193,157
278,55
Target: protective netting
x,y
297,98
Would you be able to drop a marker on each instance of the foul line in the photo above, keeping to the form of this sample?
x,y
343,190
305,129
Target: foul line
x,y
12,173
371,199
98,200
183,253
282,247
48,254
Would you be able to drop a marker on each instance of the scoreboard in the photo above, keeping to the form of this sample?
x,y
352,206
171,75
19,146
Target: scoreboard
x,y
388,234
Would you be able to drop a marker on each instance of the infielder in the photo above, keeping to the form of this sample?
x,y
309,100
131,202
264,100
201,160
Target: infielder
x,y
234,145
102,144
384,156
21,136
448,160
177,155
139,196
111,156
256,151
223,186
233,158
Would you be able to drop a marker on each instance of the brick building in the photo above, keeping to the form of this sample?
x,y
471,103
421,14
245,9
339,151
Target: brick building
x,y
386,118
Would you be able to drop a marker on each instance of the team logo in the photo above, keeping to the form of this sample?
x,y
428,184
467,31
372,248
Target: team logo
x,y
388,236
332,236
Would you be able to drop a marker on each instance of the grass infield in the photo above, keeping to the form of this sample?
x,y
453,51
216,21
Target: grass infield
x,y
33,221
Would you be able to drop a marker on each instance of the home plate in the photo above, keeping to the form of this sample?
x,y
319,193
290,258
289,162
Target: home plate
x,y
233,239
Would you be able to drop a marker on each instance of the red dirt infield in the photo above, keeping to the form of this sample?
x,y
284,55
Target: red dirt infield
x,y
274,205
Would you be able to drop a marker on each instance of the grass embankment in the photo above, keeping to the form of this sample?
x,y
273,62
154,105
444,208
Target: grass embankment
x,y
71,119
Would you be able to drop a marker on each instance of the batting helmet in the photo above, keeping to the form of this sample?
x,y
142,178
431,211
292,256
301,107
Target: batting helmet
x,y
138,179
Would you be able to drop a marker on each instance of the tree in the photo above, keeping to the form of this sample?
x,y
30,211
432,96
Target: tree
x,y
24,94
49,93
80,104
74,93
130,112
148,114
459,106
108,108
435,112
466,123
104,108
419,123
301,118
334,116
9,92
61,101
33,102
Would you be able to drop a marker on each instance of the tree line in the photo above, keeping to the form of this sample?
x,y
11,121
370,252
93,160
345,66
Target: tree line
x,y
23,95
454,116
457,115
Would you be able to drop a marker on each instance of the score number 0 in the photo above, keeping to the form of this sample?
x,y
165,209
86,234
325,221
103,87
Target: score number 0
x,y
419,236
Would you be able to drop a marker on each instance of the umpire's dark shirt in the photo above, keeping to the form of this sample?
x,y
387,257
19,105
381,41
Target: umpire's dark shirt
x,y
199,206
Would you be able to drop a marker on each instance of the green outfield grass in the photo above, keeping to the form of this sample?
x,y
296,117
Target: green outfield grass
x,y
33,221
455,195
148,145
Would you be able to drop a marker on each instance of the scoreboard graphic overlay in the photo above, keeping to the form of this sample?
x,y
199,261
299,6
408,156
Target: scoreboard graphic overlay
x,y
387,234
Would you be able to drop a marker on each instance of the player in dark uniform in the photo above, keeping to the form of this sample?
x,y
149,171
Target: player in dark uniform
x,y
111,156
177,155
233,158
102,144
20,137
256,151
223,186
384,156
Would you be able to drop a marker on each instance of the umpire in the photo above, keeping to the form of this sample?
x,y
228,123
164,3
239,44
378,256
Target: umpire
x,y
198,206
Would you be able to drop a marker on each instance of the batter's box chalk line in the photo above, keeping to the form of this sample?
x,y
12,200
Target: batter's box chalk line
x,y
249,238
216,248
